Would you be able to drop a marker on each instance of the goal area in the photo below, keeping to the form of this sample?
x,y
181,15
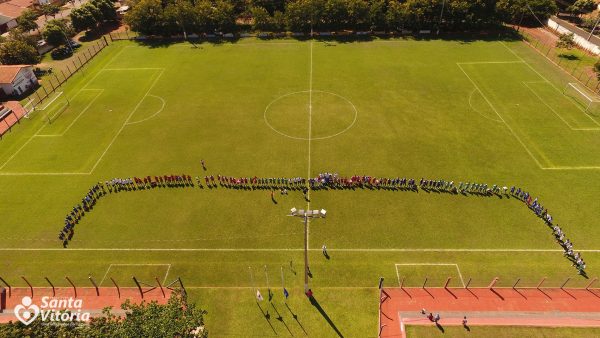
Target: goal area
x,y
588,101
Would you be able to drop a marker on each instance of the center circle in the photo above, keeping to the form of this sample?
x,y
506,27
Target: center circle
x,y
317,113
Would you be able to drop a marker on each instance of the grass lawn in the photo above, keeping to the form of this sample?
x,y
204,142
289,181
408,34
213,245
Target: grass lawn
x,y
487,111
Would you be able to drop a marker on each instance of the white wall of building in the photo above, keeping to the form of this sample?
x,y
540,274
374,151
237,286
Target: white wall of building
x,y
579,40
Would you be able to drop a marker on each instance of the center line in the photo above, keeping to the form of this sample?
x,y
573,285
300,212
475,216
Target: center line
x,y
310,85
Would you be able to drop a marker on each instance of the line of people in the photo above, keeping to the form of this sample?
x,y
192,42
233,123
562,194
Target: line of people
x,y
534,205
116,185
324,180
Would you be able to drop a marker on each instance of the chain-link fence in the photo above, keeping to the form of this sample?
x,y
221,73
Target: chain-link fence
x,y
578,63
58,76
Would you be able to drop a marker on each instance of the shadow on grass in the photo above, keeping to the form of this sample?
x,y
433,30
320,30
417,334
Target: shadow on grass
x,y
316,304
267,317
280,318
499,33
295,316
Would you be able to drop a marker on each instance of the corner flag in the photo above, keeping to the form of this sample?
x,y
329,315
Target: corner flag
x,y
258,295
286,294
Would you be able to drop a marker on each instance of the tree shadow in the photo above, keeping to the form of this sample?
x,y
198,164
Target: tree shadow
x,y
316,304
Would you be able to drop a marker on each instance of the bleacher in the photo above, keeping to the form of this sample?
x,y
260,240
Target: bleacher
x,y
10,114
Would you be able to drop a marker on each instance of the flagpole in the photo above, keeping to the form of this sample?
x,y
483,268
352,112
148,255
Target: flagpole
x,y
268,288
252,282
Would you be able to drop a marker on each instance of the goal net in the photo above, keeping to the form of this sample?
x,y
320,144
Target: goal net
x,y
589,102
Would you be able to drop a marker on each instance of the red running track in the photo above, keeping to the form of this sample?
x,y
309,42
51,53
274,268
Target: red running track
x,y
483,306
13,118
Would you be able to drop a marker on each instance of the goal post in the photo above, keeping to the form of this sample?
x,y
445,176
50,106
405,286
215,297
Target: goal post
x,y
587,100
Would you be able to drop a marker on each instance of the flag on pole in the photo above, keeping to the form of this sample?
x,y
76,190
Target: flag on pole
x,y
286,294
258,295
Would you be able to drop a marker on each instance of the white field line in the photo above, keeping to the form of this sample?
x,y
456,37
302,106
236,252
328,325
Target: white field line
x,y
158,264
200,287
573,168
310,89
127,120
552,109
477,111
545,79
489,62
51,101
430,264
41,174
547,105
501,118
78,116
42,127
153,115
297,250
132,68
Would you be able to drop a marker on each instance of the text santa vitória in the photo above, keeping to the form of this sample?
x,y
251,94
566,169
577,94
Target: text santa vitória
x,y
63,310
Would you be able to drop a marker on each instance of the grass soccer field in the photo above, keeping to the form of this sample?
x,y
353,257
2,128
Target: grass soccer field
x,y
464,110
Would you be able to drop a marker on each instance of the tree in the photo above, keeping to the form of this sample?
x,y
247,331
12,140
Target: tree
x,y
270,6
377,12
57,32
582,6
82,19
146,17
180,16
27,20
597,69
18,52
566,41
107,8
175,319
224,16
262,20
205,16
530,11
335,15
396,16
49,9
358,15
301,15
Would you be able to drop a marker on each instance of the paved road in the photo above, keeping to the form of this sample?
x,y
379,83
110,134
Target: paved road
x,y
64,13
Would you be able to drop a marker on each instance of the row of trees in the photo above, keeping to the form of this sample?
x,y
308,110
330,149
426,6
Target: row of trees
x,y
92,14
167,17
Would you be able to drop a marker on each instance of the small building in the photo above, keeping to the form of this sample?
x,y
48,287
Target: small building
x,y
10,11
16,80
